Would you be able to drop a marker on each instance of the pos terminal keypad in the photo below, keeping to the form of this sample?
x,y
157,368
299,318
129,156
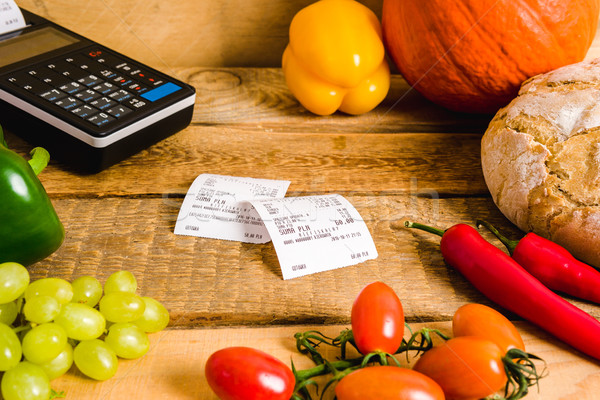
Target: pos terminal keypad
x,y
88,105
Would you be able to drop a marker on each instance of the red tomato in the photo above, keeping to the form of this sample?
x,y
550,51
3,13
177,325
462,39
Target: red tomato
x,y
387,383
480,320
466,367
243,373
377,319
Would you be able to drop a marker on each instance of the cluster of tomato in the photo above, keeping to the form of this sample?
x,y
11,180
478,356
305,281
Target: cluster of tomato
x,y
485,355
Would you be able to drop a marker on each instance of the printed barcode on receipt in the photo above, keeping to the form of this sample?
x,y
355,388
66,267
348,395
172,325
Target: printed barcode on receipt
x,y
298,267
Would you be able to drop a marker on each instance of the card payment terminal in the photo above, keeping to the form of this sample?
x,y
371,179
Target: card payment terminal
x,y
89,106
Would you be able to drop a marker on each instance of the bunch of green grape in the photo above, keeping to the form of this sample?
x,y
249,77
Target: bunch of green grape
x,y
50,324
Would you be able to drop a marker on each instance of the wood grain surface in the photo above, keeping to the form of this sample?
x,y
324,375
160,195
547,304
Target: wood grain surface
x,y
173,369
123,217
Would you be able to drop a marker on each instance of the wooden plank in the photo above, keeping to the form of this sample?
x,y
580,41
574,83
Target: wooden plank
x,y
259,98
174,366
313,162
206,282
168,34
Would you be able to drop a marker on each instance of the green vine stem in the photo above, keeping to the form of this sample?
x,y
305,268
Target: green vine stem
x,y
308,342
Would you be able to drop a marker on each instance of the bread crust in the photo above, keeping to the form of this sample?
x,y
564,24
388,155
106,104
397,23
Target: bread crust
x,y
541,158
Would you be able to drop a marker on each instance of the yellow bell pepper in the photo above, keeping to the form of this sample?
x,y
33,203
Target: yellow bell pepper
x,y
335,59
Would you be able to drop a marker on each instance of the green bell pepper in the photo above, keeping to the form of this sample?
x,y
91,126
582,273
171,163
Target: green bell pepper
x,y
30,229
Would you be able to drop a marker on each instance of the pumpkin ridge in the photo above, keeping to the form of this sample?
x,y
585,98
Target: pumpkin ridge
x,y
450,55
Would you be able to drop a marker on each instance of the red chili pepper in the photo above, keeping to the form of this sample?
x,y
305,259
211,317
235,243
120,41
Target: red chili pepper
x,y
553,265
501,279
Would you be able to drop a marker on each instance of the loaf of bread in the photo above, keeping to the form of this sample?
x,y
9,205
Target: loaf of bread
x,y
541,158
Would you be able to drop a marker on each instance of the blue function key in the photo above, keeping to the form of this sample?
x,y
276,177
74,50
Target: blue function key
x,y
161,91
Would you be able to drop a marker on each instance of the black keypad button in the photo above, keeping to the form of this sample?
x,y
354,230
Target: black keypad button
x,y
68,103
100,119
87,95
118,111
107,73
122,80
90,80
72,87
120,95
84,111
105,88
136,88
124,67
134,103
53,95
103,103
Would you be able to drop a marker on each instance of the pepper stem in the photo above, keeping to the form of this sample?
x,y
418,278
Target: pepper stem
x,y
510,244
39,159
39,156
425,228
2,141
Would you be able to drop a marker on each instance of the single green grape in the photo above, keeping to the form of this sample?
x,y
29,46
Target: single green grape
x,y
8,312
86,290
26,381
95,359
58,288
41,309
155,317
44,342
14,279
122,306
120,281
60,364
80,321
10,348
127,340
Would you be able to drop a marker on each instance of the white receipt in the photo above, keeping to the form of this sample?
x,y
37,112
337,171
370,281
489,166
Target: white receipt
x,y
11,17
217,207
315,233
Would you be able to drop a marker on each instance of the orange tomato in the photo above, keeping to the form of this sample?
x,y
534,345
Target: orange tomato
x,y
480,320
387,383
466,367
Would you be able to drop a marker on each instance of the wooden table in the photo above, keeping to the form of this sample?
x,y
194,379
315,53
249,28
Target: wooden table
x,y
408,159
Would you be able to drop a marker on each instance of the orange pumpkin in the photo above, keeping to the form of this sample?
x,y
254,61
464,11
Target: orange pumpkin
x,y
472,55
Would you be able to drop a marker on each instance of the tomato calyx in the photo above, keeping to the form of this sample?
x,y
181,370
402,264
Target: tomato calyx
x,y
521,372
